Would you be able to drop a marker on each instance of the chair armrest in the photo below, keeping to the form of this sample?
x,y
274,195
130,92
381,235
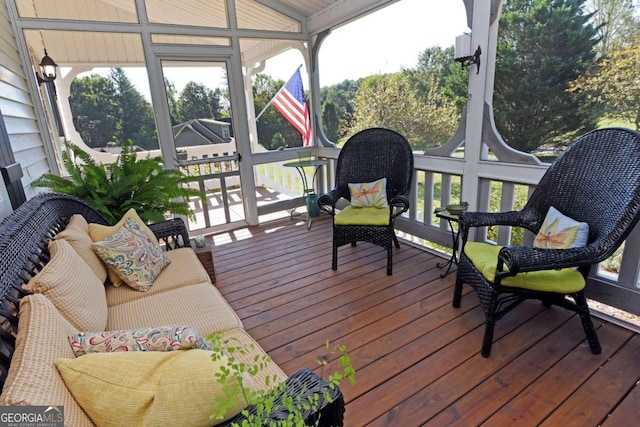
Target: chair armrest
x,y
305,384
482,219
520,259
399,204
523,219
327,202
172,232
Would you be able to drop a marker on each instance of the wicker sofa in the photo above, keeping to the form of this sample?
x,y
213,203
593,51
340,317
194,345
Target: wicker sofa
x,y
36,326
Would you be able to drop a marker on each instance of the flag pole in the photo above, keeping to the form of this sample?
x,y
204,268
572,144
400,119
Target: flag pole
x,y
280,90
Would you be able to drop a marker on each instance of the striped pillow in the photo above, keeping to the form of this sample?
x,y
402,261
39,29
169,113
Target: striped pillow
x,y
72,287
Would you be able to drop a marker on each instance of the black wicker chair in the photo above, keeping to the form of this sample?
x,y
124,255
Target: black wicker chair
x,y
597,181
368,156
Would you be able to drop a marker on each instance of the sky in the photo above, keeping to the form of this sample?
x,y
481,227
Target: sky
x,y
382,42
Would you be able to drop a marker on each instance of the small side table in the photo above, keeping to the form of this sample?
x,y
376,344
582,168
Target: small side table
x,y
308,191
455,237
205,255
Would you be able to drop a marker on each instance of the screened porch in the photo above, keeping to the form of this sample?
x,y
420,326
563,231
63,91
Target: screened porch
x,y
417,358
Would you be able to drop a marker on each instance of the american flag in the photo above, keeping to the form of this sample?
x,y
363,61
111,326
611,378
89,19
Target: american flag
x,y
289,101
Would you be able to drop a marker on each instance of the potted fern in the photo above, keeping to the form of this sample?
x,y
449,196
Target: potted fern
x,y
142,184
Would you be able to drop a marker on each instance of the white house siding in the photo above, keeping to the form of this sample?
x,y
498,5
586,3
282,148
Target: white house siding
x,y
17,108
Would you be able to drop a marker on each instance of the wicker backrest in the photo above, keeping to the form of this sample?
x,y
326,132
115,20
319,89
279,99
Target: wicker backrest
x,y
24,236
373,154
596,180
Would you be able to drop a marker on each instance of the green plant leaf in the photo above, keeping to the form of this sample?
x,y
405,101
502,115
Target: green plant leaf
x,y
143,184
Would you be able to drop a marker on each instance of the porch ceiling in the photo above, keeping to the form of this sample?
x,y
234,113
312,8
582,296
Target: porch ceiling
x,y
92,32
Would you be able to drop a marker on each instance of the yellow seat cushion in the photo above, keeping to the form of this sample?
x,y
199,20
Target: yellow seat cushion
x,y
99,232
200,306
185,269
362,216
149,388
484,257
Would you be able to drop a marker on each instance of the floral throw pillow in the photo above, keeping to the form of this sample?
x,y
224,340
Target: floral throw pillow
x,y
160,338
558,231
369,194
133,255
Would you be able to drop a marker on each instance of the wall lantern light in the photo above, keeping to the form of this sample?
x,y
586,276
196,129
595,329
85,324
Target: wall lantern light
x,y
48,69
463,52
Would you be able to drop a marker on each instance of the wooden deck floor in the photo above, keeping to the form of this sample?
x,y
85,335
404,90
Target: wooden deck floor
x,y
417,358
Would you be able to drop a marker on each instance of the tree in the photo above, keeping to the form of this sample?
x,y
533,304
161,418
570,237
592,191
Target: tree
x,y
437,63
331,120
271,122
95,110
137,123
197,101
107,111
614,22
615,86
391,101
340,96
456,85
543,45
278,141
172,100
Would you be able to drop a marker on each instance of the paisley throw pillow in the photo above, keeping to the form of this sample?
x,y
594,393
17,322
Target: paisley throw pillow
x,y
133,255
159,338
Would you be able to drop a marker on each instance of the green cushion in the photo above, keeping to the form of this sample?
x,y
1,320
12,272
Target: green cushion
x,y
362,216
485,258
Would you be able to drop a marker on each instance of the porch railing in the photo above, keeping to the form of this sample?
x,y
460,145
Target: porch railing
x,y
214,176
437,182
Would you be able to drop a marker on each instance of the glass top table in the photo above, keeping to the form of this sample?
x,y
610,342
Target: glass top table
x,y
309,195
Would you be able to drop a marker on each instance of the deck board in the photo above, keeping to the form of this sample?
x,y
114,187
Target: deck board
x,y
417,358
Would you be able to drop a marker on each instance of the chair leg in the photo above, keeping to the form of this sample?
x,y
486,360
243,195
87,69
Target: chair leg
x,y
490,315
587,323
334,257
395,240
390,252
487,341
457,293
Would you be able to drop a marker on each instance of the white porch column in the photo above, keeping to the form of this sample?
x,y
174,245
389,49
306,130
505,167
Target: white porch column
x,y
250,71
481,77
